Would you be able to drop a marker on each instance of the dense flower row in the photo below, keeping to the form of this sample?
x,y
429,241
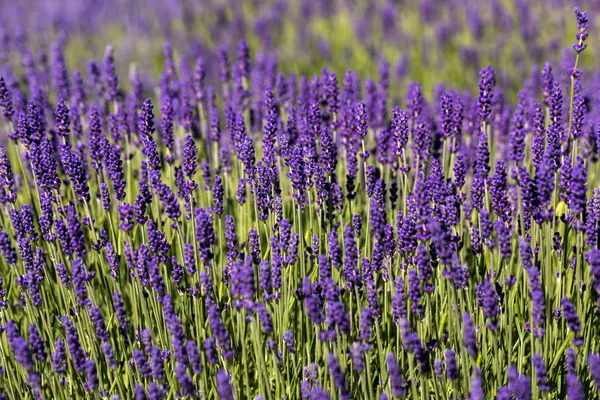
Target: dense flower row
x,y
274,237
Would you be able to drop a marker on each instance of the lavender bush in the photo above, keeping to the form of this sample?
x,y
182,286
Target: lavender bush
x,y
238,231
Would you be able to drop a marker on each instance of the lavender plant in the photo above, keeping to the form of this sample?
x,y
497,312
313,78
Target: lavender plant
x,y
262,235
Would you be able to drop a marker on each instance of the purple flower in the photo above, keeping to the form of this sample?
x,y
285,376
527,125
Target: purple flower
x,y
62,119
575,390
218,329
414,292
577,187
338,377
146,130
254,245
218,193
582,26
332,92
59,357
536,292
488,299
270,128
424,267
105,196
592,230
594,362
451,366
210,350
185,381
31,126
476,392
114,166
335,251
498,192
487,81
22,352
125,216
547,82
157,241
246,152
579,111
240,193
366,324
539,129
243,59
224,67
265,278
177,334
407,233
139,392
398,300
518,130
205,234
360,119
570,315
504,394
264,317
8,251
77,354
43,163
351,273
98,321
141,362
188,258
412,343
108,353
80,277
168,199
230,233
110,78
337,317
76,171
224,385
397,382
312,303
3,292
167,113
97,143
288,340
7,191
504,239
446,115
194,356
540,373
36,343
438,368
555,127
156,392
206,283
422,140
356,353
198,78
190,157
328,155
6,102
119,306
297,175
469,335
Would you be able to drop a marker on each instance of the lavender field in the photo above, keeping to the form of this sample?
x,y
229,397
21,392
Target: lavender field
x,y
299,199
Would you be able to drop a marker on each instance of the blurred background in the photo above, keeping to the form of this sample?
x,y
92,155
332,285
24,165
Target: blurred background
x,y
429,41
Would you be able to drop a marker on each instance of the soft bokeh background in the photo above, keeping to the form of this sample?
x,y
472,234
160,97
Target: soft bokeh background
x,y
430,41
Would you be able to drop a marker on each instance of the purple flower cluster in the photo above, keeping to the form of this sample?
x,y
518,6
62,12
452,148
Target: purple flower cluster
x,y
262,234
